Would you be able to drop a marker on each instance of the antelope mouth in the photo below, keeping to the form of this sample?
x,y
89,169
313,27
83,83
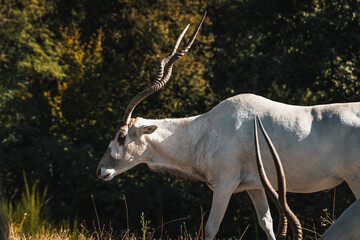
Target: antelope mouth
x,y
106,174
107,177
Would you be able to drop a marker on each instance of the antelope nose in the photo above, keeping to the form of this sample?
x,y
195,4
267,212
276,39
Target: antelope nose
x,y
104,173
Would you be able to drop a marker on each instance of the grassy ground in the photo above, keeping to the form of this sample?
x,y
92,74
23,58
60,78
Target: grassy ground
x,y
28,218
15,233
47,232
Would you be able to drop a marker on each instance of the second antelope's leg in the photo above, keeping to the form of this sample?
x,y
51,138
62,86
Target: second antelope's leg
x,y
353,180
220,201
258,197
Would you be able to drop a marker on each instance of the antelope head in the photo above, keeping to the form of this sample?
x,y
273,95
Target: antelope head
x,y
127,147
279,199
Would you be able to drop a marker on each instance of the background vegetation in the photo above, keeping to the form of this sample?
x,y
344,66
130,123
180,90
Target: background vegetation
x,y
68,69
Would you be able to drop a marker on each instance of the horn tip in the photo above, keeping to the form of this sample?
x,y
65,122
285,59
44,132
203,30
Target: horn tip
x,y
202,19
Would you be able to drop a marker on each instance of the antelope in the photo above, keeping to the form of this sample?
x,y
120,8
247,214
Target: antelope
x,y
216,147
347,226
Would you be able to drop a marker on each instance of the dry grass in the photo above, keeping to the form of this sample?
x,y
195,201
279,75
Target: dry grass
x,y
14,233
49,233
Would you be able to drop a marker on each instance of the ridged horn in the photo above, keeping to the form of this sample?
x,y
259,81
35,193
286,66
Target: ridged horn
x,y
280,198
162,76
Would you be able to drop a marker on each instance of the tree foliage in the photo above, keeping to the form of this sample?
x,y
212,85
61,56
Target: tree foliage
x,y
69,68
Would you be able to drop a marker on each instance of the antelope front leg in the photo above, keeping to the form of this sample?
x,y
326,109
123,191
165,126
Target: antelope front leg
x,y
220,201
258,197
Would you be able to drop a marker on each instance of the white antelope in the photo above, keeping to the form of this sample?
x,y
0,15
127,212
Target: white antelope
x,y
347,226
319,146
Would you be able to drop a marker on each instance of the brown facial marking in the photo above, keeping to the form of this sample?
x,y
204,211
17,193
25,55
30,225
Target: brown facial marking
x,y
122,128
121,140
117,129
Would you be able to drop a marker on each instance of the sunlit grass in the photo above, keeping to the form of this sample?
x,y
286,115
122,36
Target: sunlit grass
x,y
28,213
15,232
29,217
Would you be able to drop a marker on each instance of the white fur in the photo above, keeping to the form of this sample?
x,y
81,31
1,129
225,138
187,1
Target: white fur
x,y
116,150
318,145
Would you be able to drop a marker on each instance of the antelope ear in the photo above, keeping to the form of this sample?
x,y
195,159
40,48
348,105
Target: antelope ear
x,y
147,129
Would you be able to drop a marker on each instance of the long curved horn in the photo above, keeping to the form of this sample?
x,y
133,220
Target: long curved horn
x,y
282,225
281,199
163,74
177,56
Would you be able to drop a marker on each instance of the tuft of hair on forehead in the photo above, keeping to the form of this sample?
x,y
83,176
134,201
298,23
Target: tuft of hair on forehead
x,y
133,121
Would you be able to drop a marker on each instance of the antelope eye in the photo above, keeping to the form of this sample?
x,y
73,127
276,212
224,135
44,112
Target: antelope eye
x,y
121,140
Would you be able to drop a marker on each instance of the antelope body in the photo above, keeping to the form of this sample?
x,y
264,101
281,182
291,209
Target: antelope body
x,y
347,226
319,146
